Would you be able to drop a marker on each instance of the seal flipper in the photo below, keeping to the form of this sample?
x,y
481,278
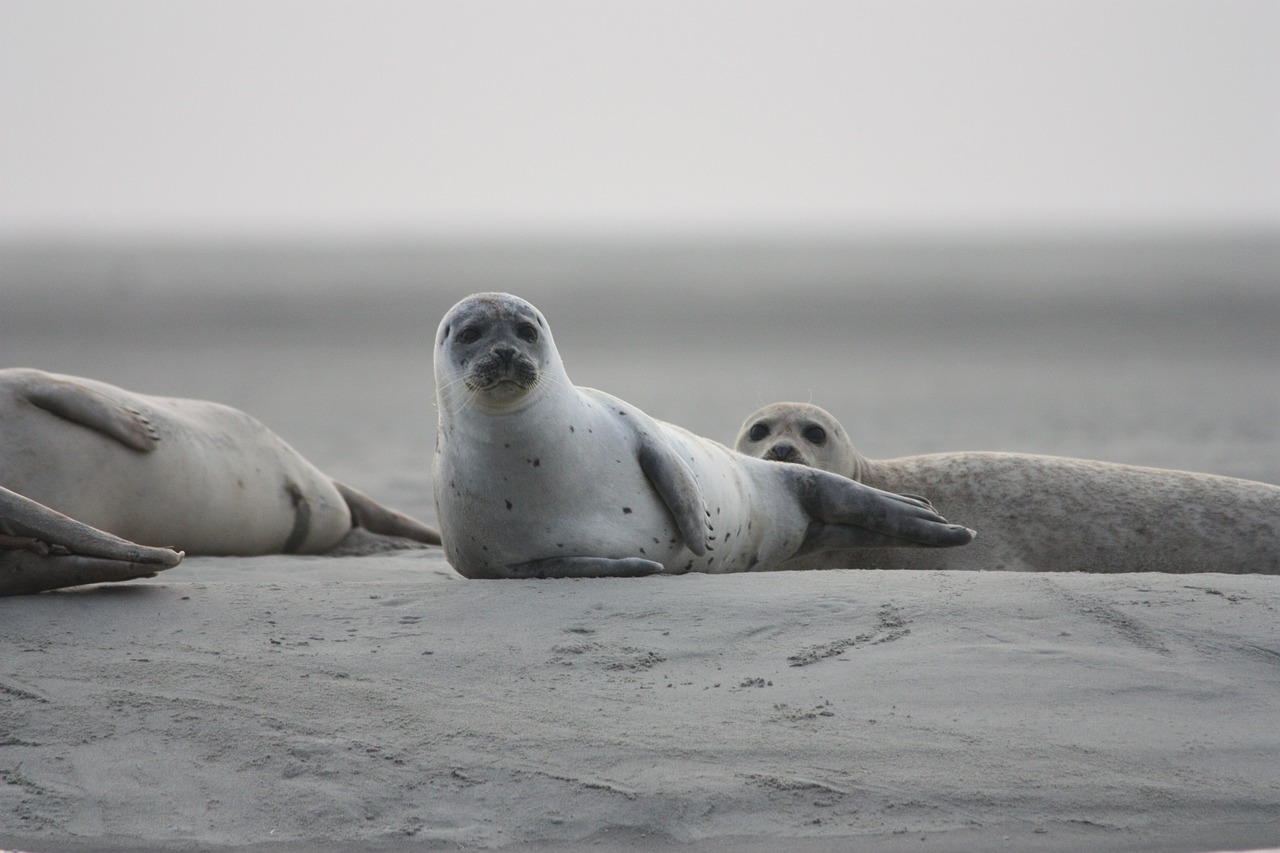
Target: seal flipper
x,y
676,485
50,551
376,518
83,405
22,517
583,567
848,514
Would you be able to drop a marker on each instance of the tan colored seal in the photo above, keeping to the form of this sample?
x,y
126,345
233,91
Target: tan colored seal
x,y
1041,513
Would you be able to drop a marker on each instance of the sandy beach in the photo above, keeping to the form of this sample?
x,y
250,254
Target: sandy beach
x,y
385,703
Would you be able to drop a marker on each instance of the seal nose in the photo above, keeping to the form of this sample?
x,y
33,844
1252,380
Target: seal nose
x,y
782,452
505,355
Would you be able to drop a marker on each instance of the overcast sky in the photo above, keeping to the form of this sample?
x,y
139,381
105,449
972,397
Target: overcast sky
x,y
613,116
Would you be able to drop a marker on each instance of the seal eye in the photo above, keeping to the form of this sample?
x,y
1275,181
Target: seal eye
x,y
469,335
527,332
758,432
815,435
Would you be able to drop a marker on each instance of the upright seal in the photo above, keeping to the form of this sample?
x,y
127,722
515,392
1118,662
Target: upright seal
x,y
537,478
1041,513
189,474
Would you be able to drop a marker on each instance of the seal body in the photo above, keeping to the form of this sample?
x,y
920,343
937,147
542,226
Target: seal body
x,y
191,474
536,477
1041,513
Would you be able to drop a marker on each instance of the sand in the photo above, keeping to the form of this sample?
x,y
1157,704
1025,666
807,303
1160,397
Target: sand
x,y
392,704
385,703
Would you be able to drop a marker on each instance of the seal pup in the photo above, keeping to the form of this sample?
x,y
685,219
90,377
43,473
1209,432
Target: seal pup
x,y
41,549
1041,513
190,474
535,477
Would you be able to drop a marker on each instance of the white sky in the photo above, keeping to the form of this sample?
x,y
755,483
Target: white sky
x,y
622,116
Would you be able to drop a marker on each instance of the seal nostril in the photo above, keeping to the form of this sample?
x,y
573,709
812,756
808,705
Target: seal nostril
x,y
781,452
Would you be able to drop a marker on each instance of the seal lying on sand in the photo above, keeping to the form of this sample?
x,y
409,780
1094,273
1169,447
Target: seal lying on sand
x,y
41,549
1041,513
537,478
188,474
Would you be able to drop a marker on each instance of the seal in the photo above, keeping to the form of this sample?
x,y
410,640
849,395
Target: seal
x,y
535,477
188,474
41,549
1041,513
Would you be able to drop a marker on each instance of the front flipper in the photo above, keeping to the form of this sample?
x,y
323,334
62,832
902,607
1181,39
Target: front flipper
x,y
376,518
848,514
83,405
584,567
672,478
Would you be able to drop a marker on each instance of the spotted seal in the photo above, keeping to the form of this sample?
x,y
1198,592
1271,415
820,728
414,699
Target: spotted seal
x,y
535,477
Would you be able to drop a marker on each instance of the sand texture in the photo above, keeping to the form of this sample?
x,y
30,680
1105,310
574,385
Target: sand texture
x,y
403,706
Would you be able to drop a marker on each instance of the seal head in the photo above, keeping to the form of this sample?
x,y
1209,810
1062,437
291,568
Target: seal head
x,y
803,434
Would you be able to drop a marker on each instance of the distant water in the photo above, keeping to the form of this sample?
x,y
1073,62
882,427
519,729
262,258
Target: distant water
x,y
1156,353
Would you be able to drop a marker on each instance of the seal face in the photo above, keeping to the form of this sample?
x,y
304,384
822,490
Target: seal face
x,y
1040,513
535,477
799,433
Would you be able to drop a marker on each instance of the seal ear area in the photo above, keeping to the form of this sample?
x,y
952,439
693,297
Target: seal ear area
x,y
675,483
90,408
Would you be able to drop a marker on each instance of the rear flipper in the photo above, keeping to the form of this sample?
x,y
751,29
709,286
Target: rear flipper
x,y
25,572
42,549
376,518
584,567
92,409
848,514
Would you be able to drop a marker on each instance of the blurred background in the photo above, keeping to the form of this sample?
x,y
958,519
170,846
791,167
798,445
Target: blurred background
x,y
1040,226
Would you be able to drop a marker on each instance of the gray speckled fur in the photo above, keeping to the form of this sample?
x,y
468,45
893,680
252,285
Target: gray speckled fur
x,y
536,477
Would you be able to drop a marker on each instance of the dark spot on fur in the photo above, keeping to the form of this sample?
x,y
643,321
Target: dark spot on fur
x,y
626,510
301,517
559,544
710,560
688,565
571,428
642,551
508,504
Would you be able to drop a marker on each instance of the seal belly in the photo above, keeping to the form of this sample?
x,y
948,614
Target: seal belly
x,y
493,511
